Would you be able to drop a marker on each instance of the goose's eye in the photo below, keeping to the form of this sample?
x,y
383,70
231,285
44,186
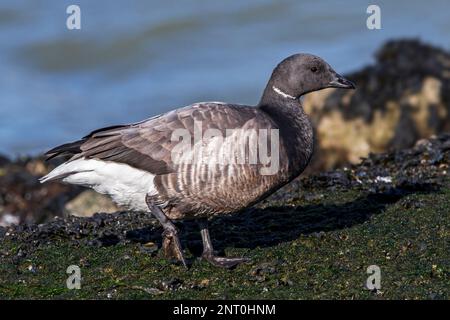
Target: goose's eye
x,y
313,69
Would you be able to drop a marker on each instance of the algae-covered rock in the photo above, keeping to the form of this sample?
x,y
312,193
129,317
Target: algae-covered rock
x,y
22,196
404,96
89,202
313,239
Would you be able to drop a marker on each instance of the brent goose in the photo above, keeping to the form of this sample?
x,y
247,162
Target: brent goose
x,y
136,164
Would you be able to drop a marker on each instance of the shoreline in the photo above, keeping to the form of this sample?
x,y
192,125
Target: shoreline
x,y
312,239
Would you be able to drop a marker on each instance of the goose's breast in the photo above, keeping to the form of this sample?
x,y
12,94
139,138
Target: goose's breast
x,y
224,175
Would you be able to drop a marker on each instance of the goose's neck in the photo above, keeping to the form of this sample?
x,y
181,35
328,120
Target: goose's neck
x,y
292,120
283,108
295,129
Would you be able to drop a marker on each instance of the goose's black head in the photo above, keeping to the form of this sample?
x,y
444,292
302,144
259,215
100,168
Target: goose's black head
x,y
302,73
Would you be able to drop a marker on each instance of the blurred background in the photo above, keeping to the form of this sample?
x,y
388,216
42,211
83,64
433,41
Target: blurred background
x,y
135,59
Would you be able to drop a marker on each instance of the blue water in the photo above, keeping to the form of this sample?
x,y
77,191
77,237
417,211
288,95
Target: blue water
x,y
135,59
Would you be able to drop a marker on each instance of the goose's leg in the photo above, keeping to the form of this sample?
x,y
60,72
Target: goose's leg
x,y
208,251
171,242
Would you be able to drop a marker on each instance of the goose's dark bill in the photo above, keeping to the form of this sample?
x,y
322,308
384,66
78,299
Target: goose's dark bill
x,y
342,83
134,163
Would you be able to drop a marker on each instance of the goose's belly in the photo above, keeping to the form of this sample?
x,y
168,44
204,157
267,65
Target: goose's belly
x,y
228,189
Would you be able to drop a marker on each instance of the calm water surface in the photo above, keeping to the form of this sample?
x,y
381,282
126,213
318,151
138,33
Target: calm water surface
x,y
135,59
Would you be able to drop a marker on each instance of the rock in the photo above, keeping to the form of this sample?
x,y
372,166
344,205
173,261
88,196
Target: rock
x,y
2,232
298,248
403,97
22,196
89,202
8,219
170,284
151,291
4,160
149,247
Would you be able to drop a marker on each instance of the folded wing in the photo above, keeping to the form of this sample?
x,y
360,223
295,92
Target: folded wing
x,y
148,145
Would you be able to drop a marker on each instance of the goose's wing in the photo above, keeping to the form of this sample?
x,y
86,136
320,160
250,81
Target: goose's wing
x,y
148,145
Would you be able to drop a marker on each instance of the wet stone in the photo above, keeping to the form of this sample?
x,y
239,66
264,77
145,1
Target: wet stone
x,y
170,284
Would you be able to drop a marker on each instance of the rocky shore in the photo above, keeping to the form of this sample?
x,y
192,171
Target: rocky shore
x,y
402,97
377,193
312,239
24,200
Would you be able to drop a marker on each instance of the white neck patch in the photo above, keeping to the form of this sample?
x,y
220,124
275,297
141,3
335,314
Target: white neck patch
x,y
283,94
